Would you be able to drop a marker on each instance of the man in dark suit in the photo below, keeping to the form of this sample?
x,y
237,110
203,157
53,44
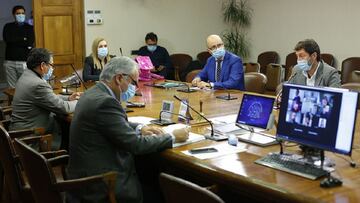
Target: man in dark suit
x,y
102,139
224,70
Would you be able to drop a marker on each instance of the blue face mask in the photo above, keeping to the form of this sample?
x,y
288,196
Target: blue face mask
x,y
20,18
151,48
130,93
218,53
48,75
102,52
304,65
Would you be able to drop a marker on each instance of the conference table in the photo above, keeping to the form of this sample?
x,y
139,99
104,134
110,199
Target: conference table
x,y
236,177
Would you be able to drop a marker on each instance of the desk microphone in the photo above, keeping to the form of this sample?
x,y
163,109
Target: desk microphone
x,y
163,122
226,97
212,135
78,76
278,96
186,90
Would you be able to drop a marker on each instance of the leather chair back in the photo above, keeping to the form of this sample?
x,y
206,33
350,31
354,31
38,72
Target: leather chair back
x,y
251,67
255,82
328,58
266,58
180,62
177,190
290,62
191,75
349,70
275,75
202,57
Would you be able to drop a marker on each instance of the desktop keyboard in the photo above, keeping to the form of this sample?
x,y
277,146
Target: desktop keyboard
x,y
291,165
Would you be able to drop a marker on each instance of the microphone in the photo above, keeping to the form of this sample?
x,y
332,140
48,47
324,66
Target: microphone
x,y
78,76
163,122
278,96
186,90
121,52
212,135
226,97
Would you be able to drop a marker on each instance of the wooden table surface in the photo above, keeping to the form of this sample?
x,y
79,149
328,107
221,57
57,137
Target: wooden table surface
x,y
238,173
237,176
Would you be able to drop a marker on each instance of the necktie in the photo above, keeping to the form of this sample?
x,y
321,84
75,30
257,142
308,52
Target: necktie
x,y
218,70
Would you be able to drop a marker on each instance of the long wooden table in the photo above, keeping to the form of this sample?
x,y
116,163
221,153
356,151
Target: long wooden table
x,y
237,176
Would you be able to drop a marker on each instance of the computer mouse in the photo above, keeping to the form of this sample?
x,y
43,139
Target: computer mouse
x,y
330,182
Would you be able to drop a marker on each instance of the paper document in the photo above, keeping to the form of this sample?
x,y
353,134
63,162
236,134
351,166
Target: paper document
x,y
140,119
222,149
193,137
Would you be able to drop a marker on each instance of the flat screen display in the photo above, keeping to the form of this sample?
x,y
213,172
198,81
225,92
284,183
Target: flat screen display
x,y
322,118
255,110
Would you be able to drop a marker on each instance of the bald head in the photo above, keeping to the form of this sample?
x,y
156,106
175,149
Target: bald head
x,y
213,42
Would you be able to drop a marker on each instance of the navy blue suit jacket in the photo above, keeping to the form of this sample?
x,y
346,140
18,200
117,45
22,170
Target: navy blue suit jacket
x,y
232,73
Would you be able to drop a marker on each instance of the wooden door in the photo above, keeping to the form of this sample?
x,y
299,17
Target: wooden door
x,y
59,27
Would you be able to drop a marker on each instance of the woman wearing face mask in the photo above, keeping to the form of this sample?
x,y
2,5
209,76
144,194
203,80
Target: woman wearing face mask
x,y
97,60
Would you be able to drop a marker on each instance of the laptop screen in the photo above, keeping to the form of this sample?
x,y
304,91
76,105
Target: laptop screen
x,y
255,110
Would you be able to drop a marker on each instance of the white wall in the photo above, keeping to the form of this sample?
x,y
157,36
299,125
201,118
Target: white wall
x,y
181,25
279,24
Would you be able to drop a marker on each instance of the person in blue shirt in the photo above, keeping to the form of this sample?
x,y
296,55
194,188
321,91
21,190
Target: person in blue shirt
x,y
223,70
159,56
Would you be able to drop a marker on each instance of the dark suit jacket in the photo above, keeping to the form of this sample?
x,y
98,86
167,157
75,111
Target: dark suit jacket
x,y
101,140
232,72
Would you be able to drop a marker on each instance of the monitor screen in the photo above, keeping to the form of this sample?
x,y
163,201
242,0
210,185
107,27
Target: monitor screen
x,y
255,110
322,118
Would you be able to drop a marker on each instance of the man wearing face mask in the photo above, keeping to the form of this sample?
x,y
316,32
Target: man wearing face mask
x,y
35,104
224,70
159,56
310,69
19,39
102,139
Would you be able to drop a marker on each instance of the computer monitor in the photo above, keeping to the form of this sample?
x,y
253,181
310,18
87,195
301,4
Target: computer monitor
x,y
255,111
318,117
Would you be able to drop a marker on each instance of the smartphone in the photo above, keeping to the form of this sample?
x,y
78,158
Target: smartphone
x,y
203,150
135,104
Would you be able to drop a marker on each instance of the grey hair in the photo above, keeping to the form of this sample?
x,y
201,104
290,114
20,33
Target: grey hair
x,y
118,65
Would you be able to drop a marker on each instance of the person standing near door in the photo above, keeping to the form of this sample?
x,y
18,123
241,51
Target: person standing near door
x,y
19,39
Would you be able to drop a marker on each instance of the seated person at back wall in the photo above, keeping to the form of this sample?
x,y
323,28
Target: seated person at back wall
x,y
159,56
223,70
96,61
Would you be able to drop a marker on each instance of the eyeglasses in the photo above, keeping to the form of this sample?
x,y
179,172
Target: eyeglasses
x,y
51,64
213,48
132,80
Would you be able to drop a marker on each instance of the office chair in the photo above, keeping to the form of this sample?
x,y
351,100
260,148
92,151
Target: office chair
x,y
180,62
45,188
255,82
266,58
177,190
251,67
328,58
350,68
